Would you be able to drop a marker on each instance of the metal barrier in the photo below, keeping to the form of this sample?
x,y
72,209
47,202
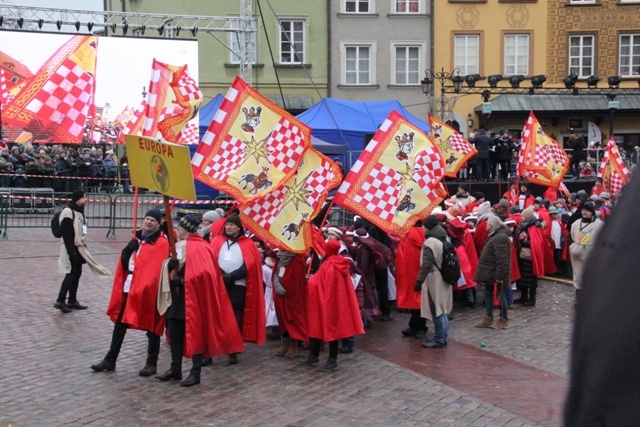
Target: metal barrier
x,y
4,210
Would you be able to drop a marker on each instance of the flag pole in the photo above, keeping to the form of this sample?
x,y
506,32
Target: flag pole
x,y
170,236
135,209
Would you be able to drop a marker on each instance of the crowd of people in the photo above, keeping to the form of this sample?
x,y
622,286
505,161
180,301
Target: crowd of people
x,y
342,286
63,167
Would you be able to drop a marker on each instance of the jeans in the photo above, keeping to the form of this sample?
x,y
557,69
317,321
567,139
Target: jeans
x,y
488,300
441,324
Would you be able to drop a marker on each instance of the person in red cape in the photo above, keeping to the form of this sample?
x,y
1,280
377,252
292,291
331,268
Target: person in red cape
x,y
462,241
333,311
551,194
597,188
408,259
133,296
239,265
201,322
290,301
511,194
525,198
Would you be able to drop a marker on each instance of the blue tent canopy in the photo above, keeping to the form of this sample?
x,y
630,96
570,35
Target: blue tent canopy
x,y
207,112
337,120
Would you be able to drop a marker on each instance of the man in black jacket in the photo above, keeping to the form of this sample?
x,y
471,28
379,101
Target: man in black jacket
x,y
482,142
577,155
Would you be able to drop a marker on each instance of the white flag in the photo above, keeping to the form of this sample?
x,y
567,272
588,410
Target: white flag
x,y
594,133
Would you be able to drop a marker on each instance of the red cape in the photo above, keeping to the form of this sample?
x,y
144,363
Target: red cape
x,y
551,194
140,311
466,252
211,326
254,327
480,235
541,252
291,308
543,215
407,269
217,227
332,303
515,268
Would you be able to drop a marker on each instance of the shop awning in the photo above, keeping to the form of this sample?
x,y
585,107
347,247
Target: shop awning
x,y
560,103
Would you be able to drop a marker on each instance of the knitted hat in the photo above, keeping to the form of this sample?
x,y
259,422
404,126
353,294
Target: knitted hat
x,y
233,219
335,231
77,195
430,222
538,200
605,195
503,203
155,214
590,207
190,223
478,195
527,213
485,207
211,216
514,210
553,210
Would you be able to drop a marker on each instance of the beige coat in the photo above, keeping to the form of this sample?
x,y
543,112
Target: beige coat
x,y
434,287
64,265
583,238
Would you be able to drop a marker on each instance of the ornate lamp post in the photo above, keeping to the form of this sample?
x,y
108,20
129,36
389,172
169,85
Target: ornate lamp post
x,y
442,106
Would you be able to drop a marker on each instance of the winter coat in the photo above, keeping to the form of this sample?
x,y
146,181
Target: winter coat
x,y
494,263
433,287
482,143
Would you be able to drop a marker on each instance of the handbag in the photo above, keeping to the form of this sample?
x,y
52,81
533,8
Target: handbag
x,y
525,253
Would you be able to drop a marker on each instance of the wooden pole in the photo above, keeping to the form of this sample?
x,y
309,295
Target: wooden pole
x,y
172,240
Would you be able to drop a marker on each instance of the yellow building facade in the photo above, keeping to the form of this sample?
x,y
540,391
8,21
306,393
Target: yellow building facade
x,y
554,38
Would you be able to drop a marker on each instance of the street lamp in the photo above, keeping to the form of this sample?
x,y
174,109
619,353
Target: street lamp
x,y
442,106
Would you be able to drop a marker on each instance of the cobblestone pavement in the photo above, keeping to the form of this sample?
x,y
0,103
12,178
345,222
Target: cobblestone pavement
x,y
518,379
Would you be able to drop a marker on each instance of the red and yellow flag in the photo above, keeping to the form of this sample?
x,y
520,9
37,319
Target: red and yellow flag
x,y
56,101
455,149
613,171
397,178
282,217
252,146
541,159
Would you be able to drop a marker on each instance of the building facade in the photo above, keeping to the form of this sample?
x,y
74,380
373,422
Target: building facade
x,y
290,62
379,51
550,38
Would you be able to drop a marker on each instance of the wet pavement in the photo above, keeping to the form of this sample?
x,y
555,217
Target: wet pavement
x,y
518,379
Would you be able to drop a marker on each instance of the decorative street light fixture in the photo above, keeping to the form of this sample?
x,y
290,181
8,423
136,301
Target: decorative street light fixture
x,y
442,106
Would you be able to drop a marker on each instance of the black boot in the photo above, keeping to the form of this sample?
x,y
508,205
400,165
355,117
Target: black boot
x,y
192,379
531,301
347,345
104,366
170,375
331,365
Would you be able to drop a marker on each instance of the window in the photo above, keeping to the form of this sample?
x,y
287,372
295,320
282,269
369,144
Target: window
x,y
516,54
629,54
467,53
581,55
357,6
407,65
406,6
235,44
292,41
358,63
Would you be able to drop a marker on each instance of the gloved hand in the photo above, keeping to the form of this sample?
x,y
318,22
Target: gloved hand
x,y
75,258
280,290
132,246
228,279
173,264
418,286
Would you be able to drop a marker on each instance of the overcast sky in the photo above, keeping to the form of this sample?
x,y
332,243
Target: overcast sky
x,y
57,4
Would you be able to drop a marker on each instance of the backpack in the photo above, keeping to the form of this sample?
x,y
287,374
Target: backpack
x,y
450,268
56,228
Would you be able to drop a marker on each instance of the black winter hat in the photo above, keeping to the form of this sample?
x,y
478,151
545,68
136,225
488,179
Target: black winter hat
x,y
430,222
590,207
234,219
155,214
77,195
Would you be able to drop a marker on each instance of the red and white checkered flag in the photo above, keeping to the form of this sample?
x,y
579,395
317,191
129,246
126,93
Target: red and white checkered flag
x,y
613,171
58,99
541,159
455,149
251,147
282,217
134,125
6,96
397,178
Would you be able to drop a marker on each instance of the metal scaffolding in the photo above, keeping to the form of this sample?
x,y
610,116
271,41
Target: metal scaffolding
x,y
27,18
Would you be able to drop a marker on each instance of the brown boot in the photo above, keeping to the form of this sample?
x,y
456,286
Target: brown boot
x,y
500,324
486,322
285,343
293,349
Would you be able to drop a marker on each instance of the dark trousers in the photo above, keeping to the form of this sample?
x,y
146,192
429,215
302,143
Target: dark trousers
x,y
117,338
482,169
70,284
382,289
316,343
505,166
176,329
416,322
237,296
